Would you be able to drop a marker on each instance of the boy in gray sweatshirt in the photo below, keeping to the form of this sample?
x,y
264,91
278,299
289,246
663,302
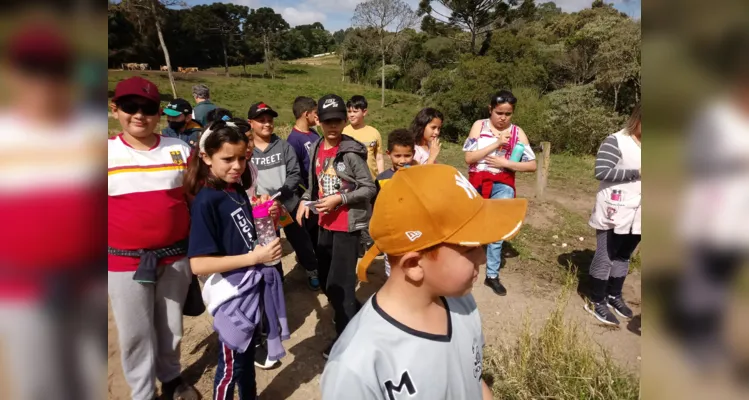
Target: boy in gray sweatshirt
x,y
278,171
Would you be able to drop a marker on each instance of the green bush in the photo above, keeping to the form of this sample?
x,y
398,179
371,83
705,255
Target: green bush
x,y
463,93
576,120
530,112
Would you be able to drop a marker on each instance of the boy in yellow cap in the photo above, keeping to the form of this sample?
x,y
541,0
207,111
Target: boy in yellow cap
x,y
419,337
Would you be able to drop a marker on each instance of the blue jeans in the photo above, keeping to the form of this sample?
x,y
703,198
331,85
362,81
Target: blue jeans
x,y
494,250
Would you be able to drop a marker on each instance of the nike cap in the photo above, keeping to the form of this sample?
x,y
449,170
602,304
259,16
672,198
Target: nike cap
x,y
331,106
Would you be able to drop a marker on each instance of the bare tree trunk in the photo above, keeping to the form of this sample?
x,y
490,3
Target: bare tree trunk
x,y
226,59
382,47
473,42
616,96
343,66
163,47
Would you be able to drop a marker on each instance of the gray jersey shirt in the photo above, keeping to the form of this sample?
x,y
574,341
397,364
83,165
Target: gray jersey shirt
x,y
377,357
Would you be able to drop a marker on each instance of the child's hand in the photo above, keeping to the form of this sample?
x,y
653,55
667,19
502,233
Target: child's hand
x,y
329,203
274,210
267,253
496,161
434,147
302,213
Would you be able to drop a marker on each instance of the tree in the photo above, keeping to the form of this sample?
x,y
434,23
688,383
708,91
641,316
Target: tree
x,y
476,16
220,23
267,26
383,14
151,12
618,59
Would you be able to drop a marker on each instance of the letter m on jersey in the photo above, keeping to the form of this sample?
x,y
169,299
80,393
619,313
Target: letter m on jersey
x,y
405,382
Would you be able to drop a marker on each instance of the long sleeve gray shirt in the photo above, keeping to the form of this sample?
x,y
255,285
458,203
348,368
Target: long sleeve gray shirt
x,y
608,158
278,171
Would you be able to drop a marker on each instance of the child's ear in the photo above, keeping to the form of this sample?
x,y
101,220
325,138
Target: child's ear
x,y
113,107
205,158
409,263
364,114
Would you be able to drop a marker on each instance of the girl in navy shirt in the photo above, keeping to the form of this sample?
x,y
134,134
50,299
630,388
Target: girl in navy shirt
x,y
223,239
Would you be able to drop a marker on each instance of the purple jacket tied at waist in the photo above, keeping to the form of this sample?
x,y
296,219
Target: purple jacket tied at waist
x,y
235,320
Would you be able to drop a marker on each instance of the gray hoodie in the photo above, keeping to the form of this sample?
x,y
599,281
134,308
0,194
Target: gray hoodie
x,y
278,170
354,169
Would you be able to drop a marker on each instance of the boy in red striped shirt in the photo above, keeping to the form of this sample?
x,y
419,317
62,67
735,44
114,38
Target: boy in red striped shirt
x,y
148,226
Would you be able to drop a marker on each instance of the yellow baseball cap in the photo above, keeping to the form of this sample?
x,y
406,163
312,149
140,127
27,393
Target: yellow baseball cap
x,y
426,205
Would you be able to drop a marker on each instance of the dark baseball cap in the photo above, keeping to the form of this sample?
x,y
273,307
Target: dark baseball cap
x,y
41,49
177,107
331,106
260,108
137,86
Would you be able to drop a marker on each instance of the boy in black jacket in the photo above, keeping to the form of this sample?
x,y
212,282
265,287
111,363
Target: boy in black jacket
x,y
340,191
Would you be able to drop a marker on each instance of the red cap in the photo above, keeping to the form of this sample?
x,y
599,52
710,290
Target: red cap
x,y
137,86
39,43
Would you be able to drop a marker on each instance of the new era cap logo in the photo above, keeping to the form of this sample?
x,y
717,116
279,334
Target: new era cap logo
x,y
413,235
463,183
329,103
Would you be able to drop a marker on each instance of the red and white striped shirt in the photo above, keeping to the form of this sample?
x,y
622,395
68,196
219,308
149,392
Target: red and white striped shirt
x,y
146,203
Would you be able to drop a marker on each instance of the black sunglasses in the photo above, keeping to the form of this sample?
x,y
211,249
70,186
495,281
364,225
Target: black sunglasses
x,y
130,106
501,99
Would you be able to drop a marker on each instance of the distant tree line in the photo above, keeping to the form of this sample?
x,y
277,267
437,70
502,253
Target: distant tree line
x,y
218,34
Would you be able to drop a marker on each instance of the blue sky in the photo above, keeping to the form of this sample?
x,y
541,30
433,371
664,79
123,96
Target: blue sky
x,y
336,14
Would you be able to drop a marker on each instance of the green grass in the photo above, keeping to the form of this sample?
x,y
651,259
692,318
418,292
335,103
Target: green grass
x,y
239,91
557,362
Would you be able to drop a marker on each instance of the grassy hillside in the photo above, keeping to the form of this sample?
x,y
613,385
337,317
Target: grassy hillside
x,y
241,89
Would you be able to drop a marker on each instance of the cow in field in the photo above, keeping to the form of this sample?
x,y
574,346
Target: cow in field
x,y
164,68
180,69
191,69
132,66
143,66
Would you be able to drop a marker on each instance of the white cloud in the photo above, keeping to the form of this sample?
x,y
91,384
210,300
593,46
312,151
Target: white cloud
x,y
334,5
301,17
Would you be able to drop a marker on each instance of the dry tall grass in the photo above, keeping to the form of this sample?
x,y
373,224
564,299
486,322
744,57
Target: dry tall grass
x,y
558,362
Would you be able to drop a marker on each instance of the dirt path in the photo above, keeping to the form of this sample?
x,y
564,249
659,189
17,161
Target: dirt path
x,y
310,322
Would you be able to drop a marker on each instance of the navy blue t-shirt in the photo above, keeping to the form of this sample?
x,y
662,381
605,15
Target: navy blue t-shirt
x,y
302,143
219,225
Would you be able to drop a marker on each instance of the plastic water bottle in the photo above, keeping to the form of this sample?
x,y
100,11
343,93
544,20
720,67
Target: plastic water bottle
x,y
264,226
517,152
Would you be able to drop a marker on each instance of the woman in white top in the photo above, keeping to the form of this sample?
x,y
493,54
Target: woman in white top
x,y
490,170
617,219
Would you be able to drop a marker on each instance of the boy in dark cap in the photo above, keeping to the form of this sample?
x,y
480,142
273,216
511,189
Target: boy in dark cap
x,y
339,190
181,125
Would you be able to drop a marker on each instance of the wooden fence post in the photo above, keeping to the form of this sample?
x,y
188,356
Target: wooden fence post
x,y
542,169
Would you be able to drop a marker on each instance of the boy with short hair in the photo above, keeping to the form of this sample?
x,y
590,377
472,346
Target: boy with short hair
x,y
401,149
372,140
149,223
420,334
278,171
401,153
181,125
340,190
365,134
301,138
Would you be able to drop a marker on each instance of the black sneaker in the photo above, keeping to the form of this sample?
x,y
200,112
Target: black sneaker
x,y
313,282
619,306
601,312
326,352
496,286
261,358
